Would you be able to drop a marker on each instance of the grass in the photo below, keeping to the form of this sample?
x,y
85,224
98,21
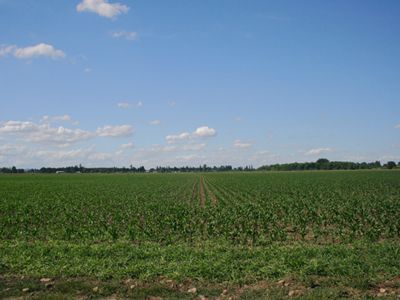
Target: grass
x,y
359,267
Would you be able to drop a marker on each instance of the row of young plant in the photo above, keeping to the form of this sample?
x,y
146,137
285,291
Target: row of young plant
x,y
316,207
255,209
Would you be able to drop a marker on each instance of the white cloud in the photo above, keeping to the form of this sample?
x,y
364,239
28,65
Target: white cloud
x,y
127,146
42,49
241,145
69,157
6,50
172,103
18,127
155,122
12,150
397,126
29,156
319,151
127,35
115,131
87,70
102,8
177,137
58,136
44,133
139,104
201,132
63,118
124,105
205,131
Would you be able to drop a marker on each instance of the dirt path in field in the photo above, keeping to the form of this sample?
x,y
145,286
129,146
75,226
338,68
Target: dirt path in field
x,y
206,190
194,191
202,193
214,199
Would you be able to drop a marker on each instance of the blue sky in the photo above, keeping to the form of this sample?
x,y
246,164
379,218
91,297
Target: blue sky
x,y
123,82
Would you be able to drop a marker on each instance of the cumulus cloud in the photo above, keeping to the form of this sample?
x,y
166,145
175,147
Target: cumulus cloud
x,y
18,127
200,132
205,131
241,145
102,8
177,137
155,122
127,35
115,131
319,151
38,50
44,133
62,118
59,136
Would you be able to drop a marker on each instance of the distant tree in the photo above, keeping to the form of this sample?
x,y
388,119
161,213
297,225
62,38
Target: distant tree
x,y
322,161
391,165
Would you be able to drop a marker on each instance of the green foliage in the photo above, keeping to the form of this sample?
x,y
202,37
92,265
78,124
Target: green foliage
x,y
322,164
251,208
391,165
211,227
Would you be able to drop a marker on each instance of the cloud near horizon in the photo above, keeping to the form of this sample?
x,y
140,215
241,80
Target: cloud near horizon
x,y
318,151
60,136
115,131
239,144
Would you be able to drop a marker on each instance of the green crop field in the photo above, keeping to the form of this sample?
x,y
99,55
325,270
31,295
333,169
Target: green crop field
x,y
242,235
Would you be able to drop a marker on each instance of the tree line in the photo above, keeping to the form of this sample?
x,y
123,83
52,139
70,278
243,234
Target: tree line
x,y
325,164
320,164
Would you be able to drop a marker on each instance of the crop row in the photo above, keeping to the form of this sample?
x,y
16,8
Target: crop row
x,y
241,208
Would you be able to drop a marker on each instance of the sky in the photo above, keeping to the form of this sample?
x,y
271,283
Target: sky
x,y
184,82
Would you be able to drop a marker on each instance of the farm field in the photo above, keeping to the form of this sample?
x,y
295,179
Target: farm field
x,y
242,235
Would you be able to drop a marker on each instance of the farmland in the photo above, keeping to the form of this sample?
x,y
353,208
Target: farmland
x,y
340,229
